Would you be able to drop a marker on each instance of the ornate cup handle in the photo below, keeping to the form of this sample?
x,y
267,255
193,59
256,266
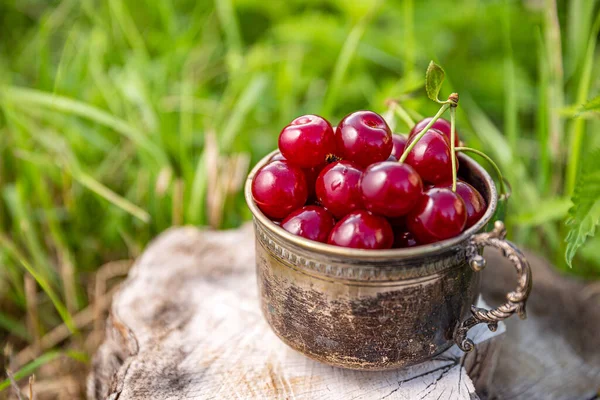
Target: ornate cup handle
x,y
515,300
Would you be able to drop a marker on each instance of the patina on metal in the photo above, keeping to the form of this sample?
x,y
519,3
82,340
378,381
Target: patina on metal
x,y
380,309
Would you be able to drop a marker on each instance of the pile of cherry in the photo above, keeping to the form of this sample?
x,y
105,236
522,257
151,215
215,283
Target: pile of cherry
x,y
346,187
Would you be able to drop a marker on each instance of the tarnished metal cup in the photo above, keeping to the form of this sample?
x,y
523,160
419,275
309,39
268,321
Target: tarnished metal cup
x,y
381,309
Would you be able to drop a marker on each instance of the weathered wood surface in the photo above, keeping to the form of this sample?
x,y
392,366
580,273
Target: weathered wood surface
x,y
186,324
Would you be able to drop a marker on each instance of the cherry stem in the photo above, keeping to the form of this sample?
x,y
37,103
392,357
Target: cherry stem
x,y
422,133
493,164
452,148
403,114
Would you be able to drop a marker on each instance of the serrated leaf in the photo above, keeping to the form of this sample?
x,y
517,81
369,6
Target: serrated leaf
x,y
585,213
433,81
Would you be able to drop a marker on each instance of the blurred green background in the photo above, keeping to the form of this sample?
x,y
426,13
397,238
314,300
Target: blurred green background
x,y
119,119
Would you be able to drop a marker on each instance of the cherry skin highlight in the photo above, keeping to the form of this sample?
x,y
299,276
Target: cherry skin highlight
x,y
390,189
404,239
441,125
440,214
362,230
431,158
364,138
310,174
307,141
399,144
279,188
338,189
310,222
474,202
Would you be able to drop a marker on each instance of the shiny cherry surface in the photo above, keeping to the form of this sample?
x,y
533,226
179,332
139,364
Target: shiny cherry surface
x,y
439,214
310,222
431,158
307,141
310,174
441,125
474,202
399,144
364,138
390,189
279,188
362,230
338,188
404,239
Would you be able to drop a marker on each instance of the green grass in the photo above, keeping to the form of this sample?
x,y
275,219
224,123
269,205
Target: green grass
x,y
106,110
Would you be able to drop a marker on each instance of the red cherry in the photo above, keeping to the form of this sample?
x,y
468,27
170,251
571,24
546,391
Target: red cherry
x,y
399,144
404,239
431,157
474,201
309,173
390,188
440,214
306,141
311,222
338,188
362,230
279,188
364,138
441,125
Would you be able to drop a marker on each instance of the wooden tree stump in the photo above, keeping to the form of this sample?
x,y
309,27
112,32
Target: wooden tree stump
x,y
186,324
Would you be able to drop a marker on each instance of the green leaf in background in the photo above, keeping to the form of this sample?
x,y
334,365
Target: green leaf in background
x,y
585,213
433,81
592,105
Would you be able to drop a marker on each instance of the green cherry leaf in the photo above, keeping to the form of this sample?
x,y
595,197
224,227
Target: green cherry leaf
x,y
433,81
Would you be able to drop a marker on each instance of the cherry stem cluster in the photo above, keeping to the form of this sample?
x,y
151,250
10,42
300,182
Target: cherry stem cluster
x,y
452,147
418,137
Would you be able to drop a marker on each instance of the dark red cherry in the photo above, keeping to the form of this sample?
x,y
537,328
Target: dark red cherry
x,y
474,201
439,214
309,173
441,125
362,230
390,188
399,144
364,138
311,222
307,141
279,188
403,239
431,158
338,188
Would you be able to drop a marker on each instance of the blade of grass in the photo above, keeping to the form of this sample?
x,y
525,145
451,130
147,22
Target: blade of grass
x,y
579,21
42,360
132,34
577,127
110,196
75,107
244,104
543,115
13,326
552,40
14,252
510,97
341,64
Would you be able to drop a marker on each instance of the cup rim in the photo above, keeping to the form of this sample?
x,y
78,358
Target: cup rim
x,y
363,254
